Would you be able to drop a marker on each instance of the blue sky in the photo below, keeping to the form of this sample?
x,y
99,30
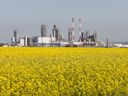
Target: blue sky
x,y
109,18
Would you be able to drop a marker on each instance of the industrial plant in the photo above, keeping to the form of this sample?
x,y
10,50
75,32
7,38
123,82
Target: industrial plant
x,y
76,37
56,38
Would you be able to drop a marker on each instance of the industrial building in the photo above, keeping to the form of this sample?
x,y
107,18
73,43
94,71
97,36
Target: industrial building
x,y
15,38
56,38
36,41
85,39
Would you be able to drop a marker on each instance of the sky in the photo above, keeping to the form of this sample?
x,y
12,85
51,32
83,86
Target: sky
x,y
108,18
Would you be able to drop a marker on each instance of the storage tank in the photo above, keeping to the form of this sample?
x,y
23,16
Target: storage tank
x,y
43,31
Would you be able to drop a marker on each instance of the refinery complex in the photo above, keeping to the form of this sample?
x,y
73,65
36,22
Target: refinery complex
x,y
56,38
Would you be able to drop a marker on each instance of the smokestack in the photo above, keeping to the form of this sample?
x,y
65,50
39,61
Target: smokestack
x,y
80,29
73,29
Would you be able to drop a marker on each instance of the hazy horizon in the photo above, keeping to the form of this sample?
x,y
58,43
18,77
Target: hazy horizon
x,y
108,18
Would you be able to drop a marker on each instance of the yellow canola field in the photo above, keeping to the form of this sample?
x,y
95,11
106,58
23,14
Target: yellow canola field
x,y
63,71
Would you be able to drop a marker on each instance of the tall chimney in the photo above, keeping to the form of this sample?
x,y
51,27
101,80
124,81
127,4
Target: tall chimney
x,y
73,29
